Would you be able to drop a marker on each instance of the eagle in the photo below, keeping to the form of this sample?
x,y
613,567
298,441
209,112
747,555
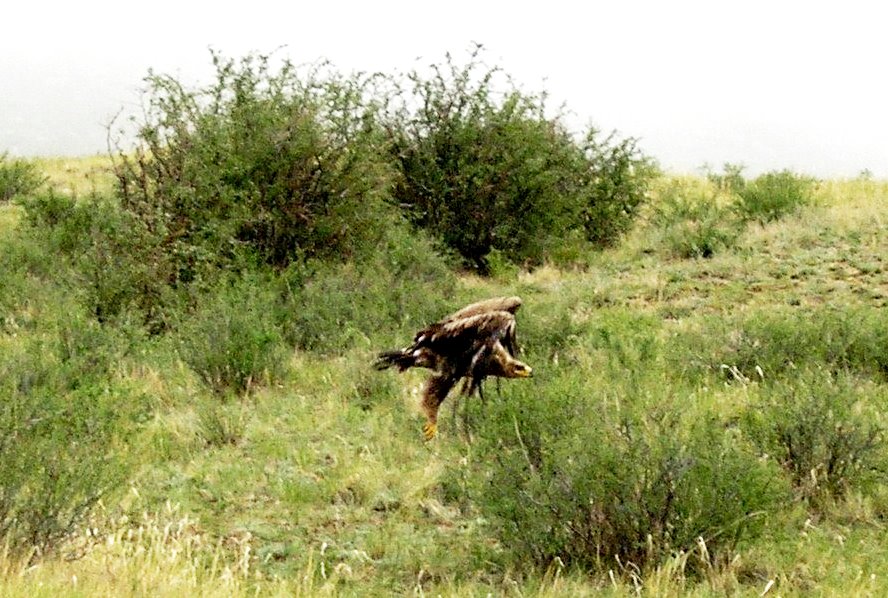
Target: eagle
x,y
473,343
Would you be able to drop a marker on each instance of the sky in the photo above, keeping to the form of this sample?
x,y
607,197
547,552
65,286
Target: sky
x,y
767,84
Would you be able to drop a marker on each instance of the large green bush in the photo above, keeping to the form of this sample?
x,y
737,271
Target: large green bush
x,y
275,164
483,167
480,173
613,185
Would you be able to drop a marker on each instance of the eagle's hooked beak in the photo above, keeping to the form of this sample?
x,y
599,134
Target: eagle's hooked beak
x,y
525,372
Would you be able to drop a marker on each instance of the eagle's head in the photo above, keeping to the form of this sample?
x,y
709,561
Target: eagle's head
x,y
502,364
518,369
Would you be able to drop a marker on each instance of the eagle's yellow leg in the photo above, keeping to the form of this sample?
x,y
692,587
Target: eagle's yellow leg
x,y
436,390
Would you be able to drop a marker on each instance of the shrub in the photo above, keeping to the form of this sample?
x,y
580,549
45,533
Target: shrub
x,y
782,341
18,178
822,430
600,481
114,261
272,163
774,195
61,420
691,223
57,220
614,185
479,173
483,168
232,339
385,297
608,462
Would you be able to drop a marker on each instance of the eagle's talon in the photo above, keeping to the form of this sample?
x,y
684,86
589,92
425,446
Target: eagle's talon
x,y
429,430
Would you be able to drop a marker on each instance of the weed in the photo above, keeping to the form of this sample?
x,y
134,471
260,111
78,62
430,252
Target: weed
x,y
221,424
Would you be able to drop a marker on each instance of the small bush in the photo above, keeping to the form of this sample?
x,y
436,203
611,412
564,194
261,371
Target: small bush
x,y
232,339
600,481
387,297
700,238
823,431
221,425
780,342
693,224
18,178
61,420
112,259
774,195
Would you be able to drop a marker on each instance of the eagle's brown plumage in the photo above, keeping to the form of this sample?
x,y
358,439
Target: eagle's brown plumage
x,y
509,304
473,343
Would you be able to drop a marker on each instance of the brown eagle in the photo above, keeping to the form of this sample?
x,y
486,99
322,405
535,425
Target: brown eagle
x,y
475,342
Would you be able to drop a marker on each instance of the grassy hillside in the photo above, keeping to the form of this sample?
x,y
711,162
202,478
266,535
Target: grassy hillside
x,y
318,482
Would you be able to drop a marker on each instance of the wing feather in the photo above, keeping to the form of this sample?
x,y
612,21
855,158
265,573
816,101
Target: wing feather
x,y
508,304
484,327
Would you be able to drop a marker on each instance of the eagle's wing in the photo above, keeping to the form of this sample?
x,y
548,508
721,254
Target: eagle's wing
x,y
508,304
465,334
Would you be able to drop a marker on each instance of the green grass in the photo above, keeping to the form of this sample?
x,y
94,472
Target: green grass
x,y
319,483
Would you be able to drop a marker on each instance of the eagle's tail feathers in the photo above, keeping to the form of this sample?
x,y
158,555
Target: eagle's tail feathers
x,y
398,358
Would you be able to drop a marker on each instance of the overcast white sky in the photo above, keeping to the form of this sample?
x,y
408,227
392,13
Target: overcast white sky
x,y
769,84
